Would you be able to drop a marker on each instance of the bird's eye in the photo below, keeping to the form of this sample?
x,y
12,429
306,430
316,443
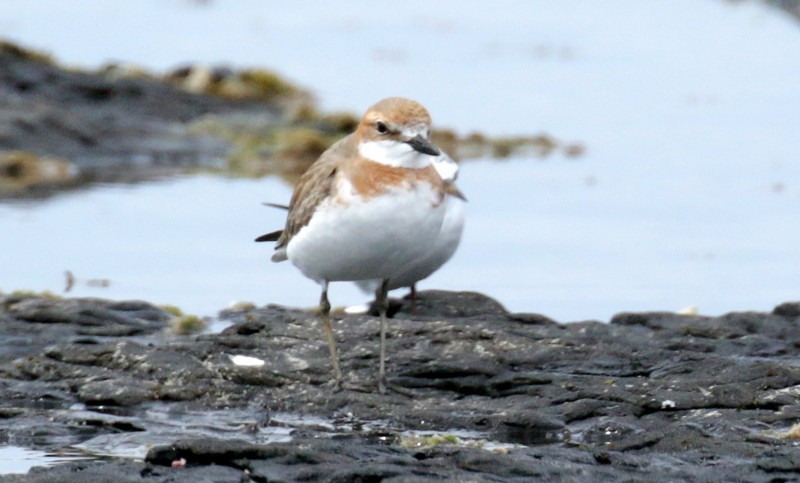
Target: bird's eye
x,y
381,127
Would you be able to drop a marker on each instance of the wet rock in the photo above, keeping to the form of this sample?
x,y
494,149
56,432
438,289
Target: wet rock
x,y
94,123
33,322
131,471
781,461
437,303
506,396
609,433
531,428
210,451
788,309
110,318
116,392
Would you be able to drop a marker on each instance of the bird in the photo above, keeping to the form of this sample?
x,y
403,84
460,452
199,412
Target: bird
x,y
442,249
440,252
370,208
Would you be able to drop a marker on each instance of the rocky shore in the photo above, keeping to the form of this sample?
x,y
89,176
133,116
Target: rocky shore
x,y
64,129
483,395
118,394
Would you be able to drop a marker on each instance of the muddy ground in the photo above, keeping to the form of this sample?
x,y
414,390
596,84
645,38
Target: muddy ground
x,y
483,395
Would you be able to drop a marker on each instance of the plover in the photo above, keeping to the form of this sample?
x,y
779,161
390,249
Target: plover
x,y
369,209
440,252
443,248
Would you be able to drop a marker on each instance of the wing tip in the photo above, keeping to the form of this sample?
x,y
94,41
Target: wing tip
x,y
270,237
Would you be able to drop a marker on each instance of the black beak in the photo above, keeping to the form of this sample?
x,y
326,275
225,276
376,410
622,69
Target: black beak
x,y
422,145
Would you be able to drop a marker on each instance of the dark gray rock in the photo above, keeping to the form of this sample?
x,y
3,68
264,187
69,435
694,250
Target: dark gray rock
x,y
438,303
650,395
129,472
31,323
109,128
88,117
788,309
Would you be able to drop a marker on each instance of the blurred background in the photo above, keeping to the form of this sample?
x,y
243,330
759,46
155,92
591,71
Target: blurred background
x,y
663,172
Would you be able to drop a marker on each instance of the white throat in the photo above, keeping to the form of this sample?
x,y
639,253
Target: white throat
x,y
393,153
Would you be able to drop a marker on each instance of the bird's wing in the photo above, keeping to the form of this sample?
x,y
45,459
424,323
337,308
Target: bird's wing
x,y
314,186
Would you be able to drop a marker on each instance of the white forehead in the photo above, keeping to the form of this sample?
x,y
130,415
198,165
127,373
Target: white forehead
x,y
411,130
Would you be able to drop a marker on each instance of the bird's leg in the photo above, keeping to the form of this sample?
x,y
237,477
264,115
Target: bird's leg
x,y
413,298
382,297
325,312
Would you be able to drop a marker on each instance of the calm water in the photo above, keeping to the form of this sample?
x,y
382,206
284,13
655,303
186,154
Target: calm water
x,y
18,460
688,193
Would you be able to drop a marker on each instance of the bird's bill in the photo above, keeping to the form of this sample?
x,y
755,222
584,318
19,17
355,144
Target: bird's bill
x,y
422,145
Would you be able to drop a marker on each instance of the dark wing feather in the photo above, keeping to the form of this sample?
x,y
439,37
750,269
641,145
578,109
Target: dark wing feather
x,y
276,205
270,237
451,189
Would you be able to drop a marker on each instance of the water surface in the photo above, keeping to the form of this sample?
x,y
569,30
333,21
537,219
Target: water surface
x,y
19,460
687,195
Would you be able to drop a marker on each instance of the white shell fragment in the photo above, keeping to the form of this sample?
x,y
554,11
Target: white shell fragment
x,y
246,361
358,309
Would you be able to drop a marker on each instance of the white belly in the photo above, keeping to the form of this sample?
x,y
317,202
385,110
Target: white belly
x,y
438,254
440,251
369,240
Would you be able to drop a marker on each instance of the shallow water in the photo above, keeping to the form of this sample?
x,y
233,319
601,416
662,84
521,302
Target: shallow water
x,y
18,460
161,426
687,195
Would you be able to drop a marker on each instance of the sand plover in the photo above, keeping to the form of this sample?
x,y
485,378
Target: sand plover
x,y
442,250
370,208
